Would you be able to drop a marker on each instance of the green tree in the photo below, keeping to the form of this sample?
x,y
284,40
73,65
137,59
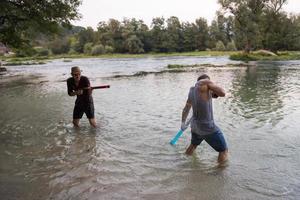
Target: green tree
x,y
229,29
109,49
231,46
60,45
247,15
213,32
133,27
292,39
115,33
19,19
189,36
102,34
98,49
158,35
88,48
174,35
202,34
134,45
220,46
220,30
275,26
85,36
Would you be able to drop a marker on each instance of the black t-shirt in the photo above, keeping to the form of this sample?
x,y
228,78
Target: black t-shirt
x,y
84,82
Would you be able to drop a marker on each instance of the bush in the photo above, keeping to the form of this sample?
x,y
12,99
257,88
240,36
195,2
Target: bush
x,y
60,46
172,66
231,46
220,46
26,51
76,46
134,45
98,49
243,57
87,49
40,51
72,51
109,49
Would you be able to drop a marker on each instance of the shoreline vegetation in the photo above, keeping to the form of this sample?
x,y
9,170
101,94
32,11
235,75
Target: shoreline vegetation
x,y
178,66
263,55
260,55
272,34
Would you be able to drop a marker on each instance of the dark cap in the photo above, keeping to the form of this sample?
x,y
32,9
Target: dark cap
x,y
75,69
203,76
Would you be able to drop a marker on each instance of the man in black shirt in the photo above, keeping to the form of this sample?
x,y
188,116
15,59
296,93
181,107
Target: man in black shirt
x,y
80,86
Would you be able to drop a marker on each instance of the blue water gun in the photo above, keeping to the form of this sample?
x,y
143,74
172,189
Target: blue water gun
x,y
180,132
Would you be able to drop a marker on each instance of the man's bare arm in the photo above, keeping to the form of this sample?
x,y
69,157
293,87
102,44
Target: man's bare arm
x,y
217,90
185,111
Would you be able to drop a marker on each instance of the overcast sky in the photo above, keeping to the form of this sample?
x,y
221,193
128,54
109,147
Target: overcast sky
x,y
94,11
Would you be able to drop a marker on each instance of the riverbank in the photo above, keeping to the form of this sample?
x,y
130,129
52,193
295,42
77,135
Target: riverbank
x,y
10,61
233,55
265,56
174,67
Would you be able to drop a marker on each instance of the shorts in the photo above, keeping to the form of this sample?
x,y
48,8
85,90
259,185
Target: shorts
x,y
87,109
215,140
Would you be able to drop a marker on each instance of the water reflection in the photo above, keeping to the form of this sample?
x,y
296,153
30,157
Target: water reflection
x,y
256,92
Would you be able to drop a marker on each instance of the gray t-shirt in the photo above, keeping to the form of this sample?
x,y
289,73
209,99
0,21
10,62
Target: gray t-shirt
x,y
203,120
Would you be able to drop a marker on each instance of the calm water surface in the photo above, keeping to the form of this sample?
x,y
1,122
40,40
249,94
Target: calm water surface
x,y
129,157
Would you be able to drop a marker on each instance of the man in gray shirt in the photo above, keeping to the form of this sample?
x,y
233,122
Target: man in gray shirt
x,y
203,126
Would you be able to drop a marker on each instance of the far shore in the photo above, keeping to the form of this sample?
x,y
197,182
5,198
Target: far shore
x,y
233,55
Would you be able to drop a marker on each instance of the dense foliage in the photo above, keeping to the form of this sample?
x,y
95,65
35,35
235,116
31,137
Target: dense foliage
x,y
22,20
238,25
263,24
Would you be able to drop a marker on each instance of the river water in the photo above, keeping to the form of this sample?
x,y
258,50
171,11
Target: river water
x,y
129,156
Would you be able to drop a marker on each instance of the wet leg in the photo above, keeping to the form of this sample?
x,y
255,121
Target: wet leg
x,y
93,122
223,156
76,123
189,151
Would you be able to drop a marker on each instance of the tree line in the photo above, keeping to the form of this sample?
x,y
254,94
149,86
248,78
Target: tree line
x,y
239,25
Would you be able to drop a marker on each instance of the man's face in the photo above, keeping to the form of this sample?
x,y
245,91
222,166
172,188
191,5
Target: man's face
x,y
76,75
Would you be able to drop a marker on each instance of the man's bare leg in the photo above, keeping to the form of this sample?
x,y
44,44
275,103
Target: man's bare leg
x,y
93,122
189,151
76,123
223,156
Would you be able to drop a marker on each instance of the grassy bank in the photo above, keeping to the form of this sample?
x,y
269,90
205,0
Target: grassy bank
x,y
68,57
254,56
179,66
233,55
